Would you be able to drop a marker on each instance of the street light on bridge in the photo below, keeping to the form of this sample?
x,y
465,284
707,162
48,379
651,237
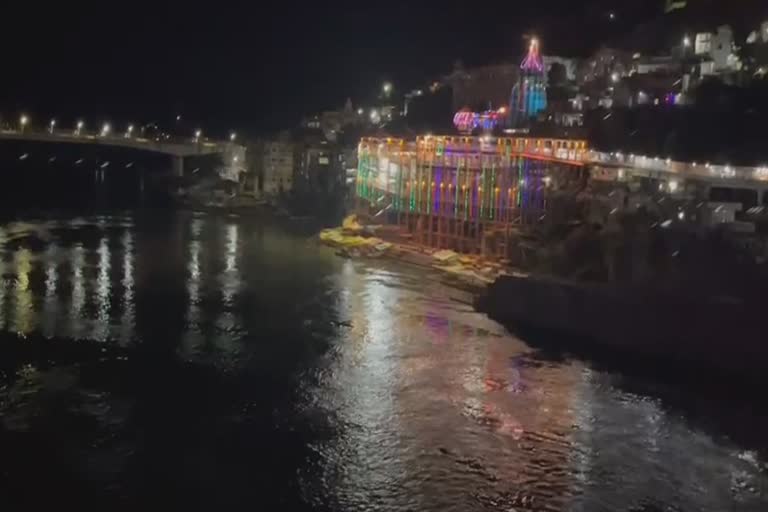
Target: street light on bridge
x,y
198,134
23,121
79,127
105,130
129,131
52,125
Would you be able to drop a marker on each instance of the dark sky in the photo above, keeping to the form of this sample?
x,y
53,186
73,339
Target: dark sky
x,y
255,66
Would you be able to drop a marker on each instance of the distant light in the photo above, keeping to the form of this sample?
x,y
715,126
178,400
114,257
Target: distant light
x,y
687,41
502,110
105,129
387,88
198,133
178,118
360,111
612,15
681,215
673,186
80,125
23,120
53,123
232,136
234,159
129,130
419,92
615,77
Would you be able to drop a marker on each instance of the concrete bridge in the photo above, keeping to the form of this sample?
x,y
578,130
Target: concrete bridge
x,y
233,155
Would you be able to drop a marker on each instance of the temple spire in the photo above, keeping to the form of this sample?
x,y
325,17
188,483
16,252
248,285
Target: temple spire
x,y
533,62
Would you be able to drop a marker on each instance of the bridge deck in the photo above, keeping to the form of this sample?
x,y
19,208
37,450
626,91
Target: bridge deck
x,y
176,148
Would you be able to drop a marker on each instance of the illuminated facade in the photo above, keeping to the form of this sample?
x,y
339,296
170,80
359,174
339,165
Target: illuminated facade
x,y
462,193
529,95
467,122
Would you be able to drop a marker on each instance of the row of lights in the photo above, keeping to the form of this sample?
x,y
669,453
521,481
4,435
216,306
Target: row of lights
x,y
726,171
106,128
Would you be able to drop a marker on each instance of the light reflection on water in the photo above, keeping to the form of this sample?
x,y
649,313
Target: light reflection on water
x,y
352,385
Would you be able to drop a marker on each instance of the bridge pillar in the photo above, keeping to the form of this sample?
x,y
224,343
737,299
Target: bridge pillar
x,y
178,166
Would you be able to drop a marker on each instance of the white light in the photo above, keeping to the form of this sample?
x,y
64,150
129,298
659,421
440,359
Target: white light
x,y
612,16
23,120
80,125
198,133
686,41
360,111
387,87
673,185
232,136
105,129
681,215
669,161
234,159
53,123
615,77
178,118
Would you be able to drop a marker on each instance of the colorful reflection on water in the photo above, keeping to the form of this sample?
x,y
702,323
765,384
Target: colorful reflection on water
x,y
224,361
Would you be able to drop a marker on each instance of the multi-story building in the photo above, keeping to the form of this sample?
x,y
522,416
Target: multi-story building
x,y
277,166
717,51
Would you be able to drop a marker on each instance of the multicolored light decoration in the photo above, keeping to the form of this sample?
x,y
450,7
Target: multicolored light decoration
x,y
467,121
529,95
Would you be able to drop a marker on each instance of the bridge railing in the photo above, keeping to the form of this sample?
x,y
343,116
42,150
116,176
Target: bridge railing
x,y
74,135
704,170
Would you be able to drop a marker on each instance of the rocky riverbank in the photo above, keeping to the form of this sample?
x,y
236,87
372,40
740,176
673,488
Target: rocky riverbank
x,y
354,240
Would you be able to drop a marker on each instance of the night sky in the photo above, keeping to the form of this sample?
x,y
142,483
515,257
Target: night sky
x,y
253,67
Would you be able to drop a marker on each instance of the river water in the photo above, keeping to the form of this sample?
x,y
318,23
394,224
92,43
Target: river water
x,y
217,361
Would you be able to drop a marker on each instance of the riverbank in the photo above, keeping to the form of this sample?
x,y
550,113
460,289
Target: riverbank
x,y
353,240
673,328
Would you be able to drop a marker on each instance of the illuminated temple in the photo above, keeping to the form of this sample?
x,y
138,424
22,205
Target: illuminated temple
x,y
529,95
460,192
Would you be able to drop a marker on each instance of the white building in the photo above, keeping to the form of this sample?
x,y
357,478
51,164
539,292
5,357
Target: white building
x,y
570,65
277,166
719,48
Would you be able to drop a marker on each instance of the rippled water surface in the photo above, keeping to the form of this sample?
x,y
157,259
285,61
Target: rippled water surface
x,y
194,360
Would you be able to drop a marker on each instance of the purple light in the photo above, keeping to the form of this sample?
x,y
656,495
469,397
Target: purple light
x,y
533,60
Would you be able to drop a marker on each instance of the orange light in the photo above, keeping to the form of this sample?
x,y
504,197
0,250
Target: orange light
x,y
503,110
